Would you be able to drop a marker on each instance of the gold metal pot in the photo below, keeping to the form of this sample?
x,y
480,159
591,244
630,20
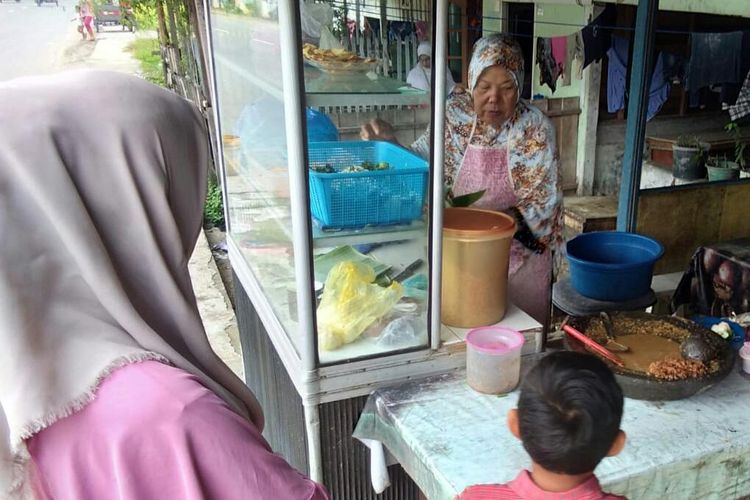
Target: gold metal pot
x,y
476,255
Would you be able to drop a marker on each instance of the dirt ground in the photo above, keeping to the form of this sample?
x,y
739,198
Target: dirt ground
x,y
214,235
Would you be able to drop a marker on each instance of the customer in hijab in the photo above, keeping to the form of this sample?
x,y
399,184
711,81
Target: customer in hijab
x,y
108,385
420,75
497,143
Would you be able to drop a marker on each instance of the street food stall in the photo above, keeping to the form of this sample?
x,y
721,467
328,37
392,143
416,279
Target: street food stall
x,y
335,244
341,250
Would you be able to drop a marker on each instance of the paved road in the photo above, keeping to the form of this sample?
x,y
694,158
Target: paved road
x,y
33,38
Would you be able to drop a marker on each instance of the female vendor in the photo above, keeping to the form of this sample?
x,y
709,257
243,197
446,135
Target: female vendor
x,y
496,142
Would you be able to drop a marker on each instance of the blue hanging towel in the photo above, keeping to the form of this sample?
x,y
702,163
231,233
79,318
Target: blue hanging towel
x,y
714,58
616,79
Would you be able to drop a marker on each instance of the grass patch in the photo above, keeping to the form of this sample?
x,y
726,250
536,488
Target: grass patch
x,y
146,50
213,210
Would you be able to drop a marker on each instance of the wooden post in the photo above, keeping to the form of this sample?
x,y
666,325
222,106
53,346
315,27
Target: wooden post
x,y
163,33
384,36
589,122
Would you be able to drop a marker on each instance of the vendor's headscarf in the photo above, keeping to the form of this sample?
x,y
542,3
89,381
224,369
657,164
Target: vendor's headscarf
x,y
102,181
424,49
496,50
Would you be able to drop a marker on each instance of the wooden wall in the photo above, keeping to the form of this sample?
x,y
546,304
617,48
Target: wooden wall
x,y
564,113
692,216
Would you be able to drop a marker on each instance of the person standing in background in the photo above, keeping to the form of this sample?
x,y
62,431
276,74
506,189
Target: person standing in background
x,y
420,76
87,14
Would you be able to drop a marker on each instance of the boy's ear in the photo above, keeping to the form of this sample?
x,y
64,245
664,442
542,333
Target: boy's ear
x,y
513,423
617,445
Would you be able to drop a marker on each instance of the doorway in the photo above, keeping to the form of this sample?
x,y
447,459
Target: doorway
x,y
519,19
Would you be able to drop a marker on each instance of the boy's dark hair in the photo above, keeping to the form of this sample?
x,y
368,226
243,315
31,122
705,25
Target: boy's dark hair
x,y
569,412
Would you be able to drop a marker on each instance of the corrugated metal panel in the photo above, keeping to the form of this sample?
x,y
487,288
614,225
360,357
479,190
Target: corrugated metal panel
x,y
268,379
346,461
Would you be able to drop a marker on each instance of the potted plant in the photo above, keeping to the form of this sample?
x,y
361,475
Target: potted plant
x,y
723,169
688,160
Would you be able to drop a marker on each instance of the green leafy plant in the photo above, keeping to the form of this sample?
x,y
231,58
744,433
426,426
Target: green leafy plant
x,y
688,141
213,210
146,50
739,145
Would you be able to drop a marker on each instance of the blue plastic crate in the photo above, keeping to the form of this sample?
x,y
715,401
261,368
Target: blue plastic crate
x,y
357,199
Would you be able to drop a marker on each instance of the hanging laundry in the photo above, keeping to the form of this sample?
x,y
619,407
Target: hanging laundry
x,y
548,70
423,30
571,55
400,29
714,58
559,51
742,107
617,57
597,35
674,67
372,24
730,91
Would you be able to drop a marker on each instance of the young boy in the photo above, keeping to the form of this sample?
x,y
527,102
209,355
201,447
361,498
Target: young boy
x,y
568,419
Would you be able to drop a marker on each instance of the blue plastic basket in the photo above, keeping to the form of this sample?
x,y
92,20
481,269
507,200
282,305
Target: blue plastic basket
x,y
357,199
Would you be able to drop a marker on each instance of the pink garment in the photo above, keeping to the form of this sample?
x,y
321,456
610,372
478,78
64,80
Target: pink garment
x,y
560,51
155,432
523,487
530,274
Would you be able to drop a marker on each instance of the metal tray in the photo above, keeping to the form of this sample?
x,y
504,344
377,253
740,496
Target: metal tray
x,y
638,386
359,66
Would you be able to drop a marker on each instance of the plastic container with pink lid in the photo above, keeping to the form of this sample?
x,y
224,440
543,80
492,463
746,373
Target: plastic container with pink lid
x,y
493,359
745,357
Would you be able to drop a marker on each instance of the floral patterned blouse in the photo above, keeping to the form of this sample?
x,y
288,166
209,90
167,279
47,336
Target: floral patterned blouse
x,y
533,160
529,135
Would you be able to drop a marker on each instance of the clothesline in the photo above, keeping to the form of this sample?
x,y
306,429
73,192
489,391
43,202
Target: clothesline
x,y
548,23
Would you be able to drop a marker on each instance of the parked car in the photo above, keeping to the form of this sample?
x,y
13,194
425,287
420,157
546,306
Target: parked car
x,y
107,15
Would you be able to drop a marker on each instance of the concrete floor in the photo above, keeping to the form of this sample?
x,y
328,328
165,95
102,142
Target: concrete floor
x,y
215,307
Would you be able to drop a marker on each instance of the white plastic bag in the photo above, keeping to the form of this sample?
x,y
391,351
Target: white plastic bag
x,y
313,17
328,41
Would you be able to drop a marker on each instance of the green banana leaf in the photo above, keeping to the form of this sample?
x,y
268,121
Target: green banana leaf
x,y
467,200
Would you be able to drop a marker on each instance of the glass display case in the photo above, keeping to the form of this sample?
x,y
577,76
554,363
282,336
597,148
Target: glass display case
x,y
334,232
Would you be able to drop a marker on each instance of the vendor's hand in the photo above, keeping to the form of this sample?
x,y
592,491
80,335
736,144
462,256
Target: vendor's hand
x,y
377,130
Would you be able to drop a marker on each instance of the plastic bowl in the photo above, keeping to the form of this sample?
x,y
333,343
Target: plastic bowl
x,y
493,359
612,265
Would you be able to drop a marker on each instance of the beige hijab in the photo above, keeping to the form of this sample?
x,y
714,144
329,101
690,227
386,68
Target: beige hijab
x,y
102,180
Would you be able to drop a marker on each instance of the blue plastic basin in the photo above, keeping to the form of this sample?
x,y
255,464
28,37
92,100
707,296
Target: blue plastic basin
x,y
612,265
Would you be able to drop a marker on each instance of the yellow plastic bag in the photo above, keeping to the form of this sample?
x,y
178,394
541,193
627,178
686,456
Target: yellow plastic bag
x,y
351,302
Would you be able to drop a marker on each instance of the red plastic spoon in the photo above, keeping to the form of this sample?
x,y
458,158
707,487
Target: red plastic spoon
x,y
593,345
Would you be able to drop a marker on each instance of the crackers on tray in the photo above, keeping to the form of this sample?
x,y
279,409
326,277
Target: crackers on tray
x,y
336,59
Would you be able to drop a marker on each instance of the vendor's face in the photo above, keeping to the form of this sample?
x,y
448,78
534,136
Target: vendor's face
x,y
425,60
495,96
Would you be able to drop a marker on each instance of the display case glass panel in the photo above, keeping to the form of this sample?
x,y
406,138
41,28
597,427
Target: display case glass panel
x,y
248,72
369,200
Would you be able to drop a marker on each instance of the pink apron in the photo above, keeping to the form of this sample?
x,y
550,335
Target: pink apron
x,y
530,274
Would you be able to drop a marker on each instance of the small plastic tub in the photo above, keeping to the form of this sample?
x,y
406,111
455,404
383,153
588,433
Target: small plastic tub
x,y
493,359
745,356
